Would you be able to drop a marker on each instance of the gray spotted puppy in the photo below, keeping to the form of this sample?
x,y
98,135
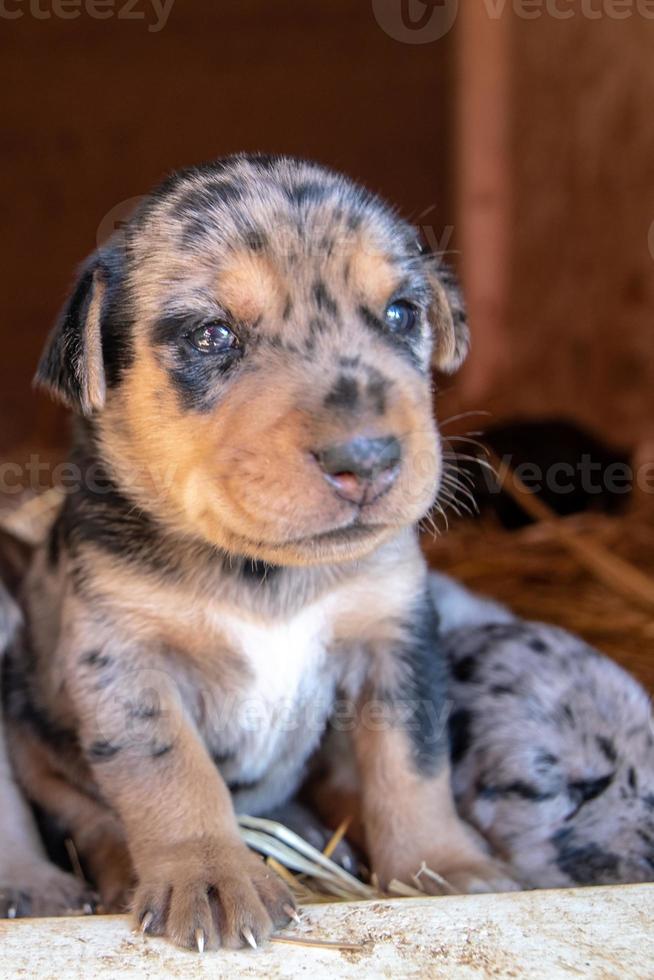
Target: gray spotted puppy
x,y
552,747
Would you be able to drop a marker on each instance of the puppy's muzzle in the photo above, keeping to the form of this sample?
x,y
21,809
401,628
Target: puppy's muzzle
x,y
362,469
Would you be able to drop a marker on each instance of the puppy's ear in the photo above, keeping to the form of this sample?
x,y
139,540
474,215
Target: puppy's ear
x,y
449,319
71,365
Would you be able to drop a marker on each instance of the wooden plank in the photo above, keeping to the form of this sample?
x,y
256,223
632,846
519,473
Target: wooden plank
x,y
595,932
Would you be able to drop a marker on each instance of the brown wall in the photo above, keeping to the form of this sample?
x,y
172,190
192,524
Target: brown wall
x,y
97,111
573,132
542,127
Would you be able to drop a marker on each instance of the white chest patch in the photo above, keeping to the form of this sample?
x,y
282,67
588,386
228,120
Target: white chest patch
x,y
279,717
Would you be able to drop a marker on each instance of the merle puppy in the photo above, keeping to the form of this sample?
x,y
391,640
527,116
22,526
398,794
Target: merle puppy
x,y
552,747
250,362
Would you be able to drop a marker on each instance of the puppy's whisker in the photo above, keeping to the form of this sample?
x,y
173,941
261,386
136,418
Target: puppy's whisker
x,y
462,415
472,442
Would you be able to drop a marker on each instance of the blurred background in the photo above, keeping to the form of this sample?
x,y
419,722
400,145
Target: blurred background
x,y
517,133
523,145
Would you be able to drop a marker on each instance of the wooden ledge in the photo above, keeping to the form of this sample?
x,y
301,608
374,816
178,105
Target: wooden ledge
x,y
595,932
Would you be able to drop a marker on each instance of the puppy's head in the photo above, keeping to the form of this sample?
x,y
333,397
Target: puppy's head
x,y
255,351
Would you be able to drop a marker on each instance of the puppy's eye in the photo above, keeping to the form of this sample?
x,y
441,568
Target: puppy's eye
x,y
400,316
213,338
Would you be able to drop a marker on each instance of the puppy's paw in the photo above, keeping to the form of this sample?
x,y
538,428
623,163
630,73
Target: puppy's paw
x,y
472,877
40,889
113,874
209,893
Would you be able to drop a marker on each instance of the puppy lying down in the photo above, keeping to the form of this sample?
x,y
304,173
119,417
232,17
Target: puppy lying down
x,y
552,747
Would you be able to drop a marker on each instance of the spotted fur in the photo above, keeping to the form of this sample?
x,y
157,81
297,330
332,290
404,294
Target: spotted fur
x,y
211,594
552,745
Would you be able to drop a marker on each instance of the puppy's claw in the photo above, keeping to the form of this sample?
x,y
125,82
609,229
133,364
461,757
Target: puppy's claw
x,y
199,938
291,913
11,912
146,922
87,908
249,938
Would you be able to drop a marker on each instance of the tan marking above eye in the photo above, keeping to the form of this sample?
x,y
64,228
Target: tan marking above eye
x,y
372,275
249,284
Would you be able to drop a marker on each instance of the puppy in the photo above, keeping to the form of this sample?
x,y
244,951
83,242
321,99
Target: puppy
x,y
29,883
239,564
552,747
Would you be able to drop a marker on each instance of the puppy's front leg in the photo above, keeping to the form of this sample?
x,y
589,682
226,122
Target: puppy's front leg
x,y
198,883
402,753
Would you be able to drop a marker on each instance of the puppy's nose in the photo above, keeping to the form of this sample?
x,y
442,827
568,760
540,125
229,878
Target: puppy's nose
x,y
362,469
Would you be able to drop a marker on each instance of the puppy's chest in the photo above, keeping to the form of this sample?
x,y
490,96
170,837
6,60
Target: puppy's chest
x,y
266,691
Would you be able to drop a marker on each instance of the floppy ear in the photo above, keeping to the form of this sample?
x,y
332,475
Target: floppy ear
x,y
449,320
71,365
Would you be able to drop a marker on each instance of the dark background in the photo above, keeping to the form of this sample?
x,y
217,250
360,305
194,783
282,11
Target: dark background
x,y
532,139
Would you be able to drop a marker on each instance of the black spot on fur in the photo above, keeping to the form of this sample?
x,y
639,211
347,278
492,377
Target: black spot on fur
x,y
95,659
205,196
220,758
256,240
500,689
376,390
538,646
460,733
252,570
544,760
583,790
144,711
195,205
519,788
158,751
631,779
569,715
288,309
349,362
585,864
344,394
237,787
101,751
607,748
306,192
323,299
420,698
317,326
464,669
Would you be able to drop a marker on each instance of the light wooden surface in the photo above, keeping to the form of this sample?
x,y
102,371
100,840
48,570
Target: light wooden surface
x,y
598,933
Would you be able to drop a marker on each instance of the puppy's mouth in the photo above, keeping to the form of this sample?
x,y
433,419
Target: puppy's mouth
x,y
352,534
357,529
